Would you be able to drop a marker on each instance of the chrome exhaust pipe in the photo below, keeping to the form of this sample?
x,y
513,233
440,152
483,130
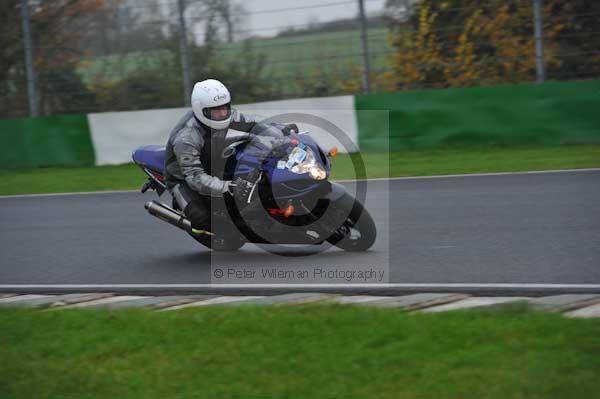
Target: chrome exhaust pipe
x,y
168,215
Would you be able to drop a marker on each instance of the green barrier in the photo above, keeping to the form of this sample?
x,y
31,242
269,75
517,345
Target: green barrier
x,y
524,114
62,140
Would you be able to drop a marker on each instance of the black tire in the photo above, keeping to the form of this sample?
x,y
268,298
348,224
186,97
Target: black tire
x,y
358,220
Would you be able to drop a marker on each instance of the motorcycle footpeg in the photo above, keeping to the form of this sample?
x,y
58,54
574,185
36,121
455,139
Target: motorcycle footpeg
x,y
146,187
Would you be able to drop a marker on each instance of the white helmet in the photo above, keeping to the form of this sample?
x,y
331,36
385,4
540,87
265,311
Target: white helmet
x,y
208,94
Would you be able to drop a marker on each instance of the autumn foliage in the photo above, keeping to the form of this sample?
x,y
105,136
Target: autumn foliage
x,y
481,42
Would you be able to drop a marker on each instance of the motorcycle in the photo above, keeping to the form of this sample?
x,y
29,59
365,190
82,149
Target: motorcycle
x,y
291,201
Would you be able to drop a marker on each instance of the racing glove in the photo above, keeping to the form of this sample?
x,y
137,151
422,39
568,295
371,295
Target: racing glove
x,y
240,189
289,129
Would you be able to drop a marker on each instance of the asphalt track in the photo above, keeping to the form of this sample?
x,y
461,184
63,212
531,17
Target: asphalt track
x,y
497,230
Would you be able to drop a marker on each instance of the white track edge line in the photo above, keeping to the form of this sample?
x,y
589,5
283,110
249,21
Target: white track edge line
x,y
68,194
357,286
533,172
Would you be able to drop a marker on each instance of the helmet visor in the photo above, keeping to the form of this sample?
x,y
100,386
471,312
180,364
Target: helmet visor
x,y
218,113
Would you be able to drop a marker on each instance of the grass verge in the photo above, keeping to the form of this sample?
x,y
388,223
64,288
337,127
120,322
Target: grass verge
x,y
310,351
401,163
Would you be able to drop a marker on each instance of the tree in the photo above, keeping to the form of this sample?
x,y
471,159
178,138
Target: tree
x,y
579,41
223,7
13,101
57,29
243,75
226,11
398,11
474,42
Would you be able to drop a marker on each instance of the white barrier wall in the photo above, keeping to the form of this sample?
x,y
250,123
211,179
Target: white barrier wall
x,y
116,134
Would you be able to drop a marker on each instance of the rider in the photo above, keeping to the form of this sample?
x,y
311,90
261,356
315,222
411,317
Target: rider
x,y
193,161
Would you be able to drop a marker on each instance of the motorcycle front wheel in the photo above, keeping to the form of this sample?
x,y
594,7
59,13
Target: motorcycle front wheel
x,y
358,231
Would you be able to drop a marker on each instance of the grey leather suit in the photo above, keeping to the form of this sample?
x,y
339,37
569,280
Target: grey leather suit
x,y
193,151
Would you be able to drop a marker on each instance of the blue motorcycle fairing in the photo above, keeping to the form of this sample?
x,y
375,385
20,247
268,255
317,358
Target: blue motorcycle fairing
x,y
247,160
151,157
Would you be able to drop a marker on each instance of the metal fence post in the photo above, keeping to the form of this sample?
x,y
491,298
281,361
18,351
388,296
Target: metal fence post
x,y
539,41
31,89
183,49
366,81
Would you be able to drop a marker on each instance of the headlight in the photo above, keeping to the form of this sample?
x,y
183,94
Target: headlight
x,y
306,162
317,172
